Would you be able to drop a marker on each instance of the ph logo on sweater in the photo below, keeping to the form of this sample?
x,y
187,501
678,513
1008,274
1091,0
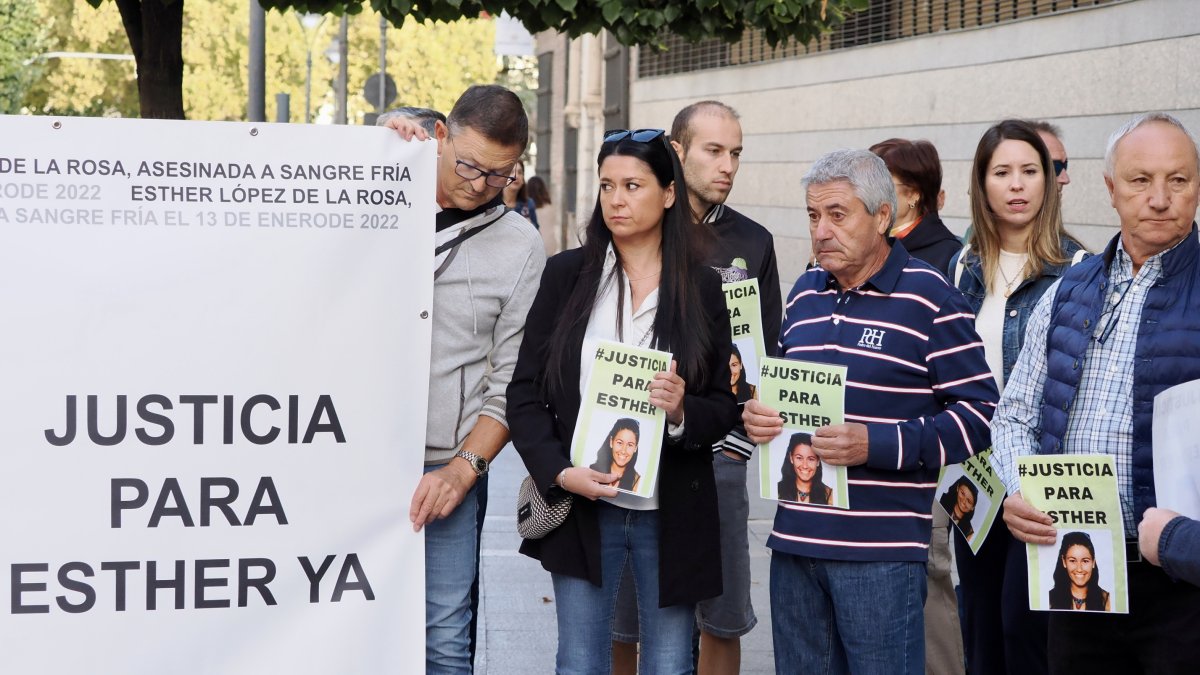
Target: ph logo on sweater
x,y
872,338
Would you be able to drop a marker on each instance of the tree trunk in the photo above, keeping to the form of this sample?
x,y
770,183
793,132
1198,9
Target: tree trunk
x,y
155,32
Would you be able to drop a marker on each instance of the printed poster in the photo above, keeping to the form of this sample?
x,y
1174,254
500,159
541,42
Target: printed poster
x,y
215,363
808,396
745,323
1085,568
619,431
1177,449
971,494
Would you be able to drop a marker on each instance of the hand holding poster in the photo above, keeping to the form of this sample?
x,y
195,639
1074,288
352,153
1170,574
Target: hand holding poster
x,y
1085,568
619,431
970,493
745,323
807,396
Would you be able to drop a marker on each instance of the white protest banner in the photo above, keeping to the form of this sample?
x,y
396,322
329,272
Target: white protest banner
x,y
215,362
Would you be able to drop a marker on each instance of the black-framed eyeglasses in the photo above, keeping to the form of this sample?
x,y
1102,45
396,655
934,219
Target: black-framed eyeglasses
x,y
1060,165
469,171
639,135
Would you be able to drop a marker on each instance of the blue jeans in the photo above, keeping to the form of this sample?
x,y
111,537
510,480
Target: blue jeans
x,y
729,615
450,567
835,616
585,612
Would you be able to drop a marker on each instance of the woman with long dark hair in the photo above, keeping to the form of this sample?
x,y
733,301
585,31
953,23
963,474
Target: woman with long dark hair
x,y
959,502
1017,249
1077,576
801,478
639,279
742,390
618,454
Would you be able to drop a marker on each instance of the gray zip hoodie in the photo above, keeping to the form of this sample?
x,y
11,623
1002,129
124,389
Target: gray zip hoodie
x,y
481,295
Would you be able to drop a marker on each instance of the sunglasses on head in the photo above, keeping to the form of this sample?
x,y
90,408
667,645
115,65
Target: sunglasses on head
x,y
1059,166
638,135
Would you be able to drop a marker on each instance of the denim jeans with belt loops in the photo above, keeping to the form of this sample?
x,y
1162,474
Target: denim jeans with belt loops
x,y
585,611
839,616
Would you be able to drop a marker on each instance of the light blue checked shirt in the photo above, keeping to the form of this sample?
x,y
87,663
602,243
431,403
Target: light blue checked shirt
x,y
1101,419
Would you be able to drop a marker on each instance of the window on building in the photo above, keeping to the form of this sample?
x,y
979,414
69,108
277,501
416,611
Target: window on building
x,y
883,21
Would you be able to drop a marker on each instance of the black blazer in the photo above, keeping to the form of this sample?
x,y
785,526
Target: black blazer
x,y
932,242
689,535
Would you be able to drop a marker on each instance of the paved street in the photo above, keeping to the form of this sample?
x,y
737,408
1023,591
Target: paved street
x,y
517,631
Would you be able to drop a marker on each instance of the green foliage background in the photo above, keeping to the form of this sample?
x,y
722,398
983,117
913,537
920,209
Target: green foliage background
x,y
431,62
21,39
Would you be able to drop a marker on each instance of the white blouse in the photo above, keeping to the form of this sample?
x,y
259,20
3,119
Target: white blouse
x,y
637,330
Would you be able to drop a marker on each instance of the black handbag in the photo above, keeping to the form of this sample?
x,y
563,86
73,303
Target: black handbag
x,y
537,517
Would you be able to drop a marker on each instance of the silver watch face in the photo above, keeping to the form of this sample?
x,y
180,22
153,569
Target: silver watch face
x,y
481,466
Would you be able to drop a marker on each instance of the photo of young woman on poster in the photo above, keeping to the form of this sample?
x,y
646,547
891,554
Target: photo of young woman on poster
x,y
618,454
738,367
960,502
1077,577
801,474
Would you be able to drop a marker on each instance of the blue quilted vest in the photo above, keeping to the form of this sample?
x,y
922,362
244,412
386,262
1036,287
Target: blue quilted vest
x,y
1167,352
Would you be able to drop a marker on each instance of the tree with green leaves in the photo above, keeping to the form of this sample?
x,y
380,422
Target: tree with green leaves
x,y
432,63
21,43
155,27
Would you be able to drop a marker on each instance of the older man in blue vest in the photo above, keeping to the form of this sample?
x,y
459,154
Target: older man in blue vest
x,y
1115,331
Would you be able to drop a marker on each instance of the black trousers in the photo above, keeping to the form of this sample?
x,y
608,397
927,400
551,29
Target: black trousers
x,y
1160,635
1000,633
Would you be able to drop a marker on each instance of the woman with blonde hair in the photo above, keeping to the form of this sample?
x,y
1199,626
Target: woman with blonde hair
x,y
1017,249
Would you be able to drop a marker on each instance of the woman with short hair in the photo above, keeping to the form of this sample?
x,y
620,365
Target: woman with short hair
x,y
917,175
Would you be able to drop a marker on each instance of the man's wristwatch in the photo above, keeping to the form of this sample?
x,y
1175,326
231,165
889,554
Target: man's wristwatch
x,y
479,464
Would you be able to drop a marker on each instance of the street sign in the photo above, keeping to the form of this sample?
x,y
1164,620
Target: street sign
x,y
371,91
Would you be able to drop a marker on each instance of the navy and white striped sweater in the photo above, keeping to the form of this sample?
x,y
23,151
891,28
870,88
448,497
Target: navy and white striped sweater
x,y
916,376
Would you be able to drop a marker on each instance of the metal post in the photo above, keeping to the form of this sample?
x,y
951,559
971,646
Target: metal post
x,y
383,26
343,69
311,23
308,87
256,106
283,105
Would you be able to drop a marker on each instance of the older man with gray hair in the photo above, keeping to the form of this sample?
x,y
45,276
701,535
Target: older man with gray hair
x,y
848,585
1112,333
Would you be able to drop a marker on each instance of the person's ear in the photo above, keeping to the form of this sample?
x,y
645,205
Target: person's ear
x,y
441,132
678,150
669,196
885,218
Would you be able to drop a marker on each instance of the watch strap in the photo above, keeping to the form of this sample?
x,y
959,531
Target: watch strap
x,y
478,464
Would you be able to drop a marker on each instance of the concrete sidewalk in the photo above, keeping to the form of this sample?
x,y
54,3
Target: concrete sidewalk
x,y
518,634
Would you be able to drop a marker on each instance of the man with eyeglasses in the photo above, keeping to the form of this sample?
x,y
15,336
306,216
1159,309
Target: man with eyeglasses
x,y
487,268
1103,341
1051,135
